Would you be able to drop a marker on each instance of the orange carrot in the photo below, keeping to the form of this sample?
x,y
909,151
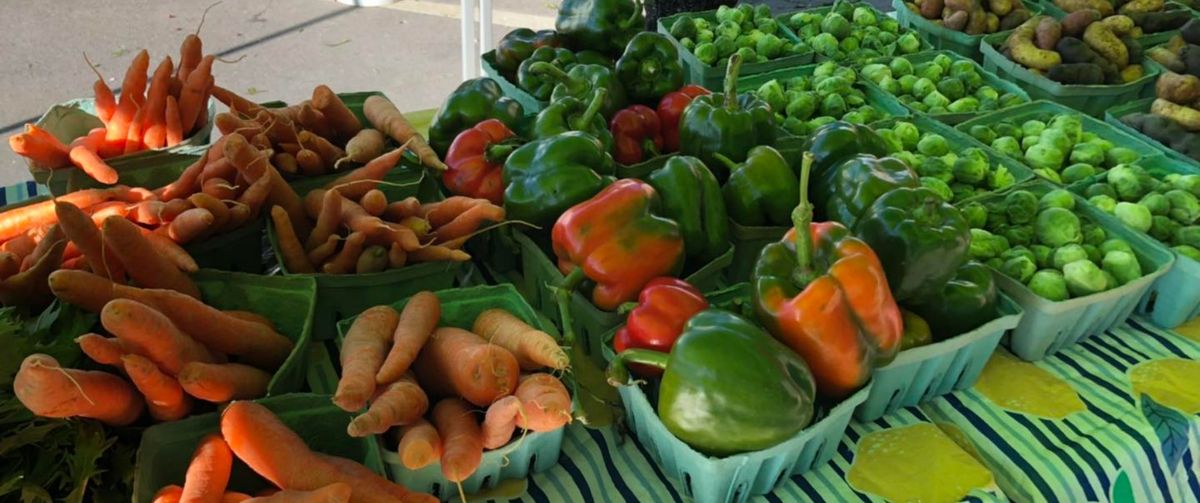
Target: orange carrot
x,y
168,494
445,211
347,257
106,103
462,442
220,168
20,245
288,147
192,96
48,390
104,210
285,162
29,288
229,123
235,497
42,154
358,220
309,163
185,185
328,219
80,229
133,138
399,403
337,115
469,221
251,316
252,166
313,120
419,445
366,145
134,87
438,253
190,53
222,382
208,474
235,102
118,128
52,235
328,152
374,259
261,141
164,397
338,492
45,136
219,189
156,95
500,421
374,202
9,264
150,269
174,124
190,225
397,257
319,254
417,322
219,211
385,117
93,165
533,348
151,334
363,350
256,194
93,140
295,261
456,362
545,403
173,252
252,342
101,349
356,183
155,135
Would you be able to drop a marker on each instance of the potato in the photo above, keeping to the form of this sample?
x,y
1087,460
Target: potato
x,y
1022,50
1141,6
1168,59
1047,33
1082,74
1014,19
1001,7
931,9
967,5
1177,43
993,23
977,22
1132,73
1120,25
956,21
1075,22
1187,117
1101,39
1178,89
1102,6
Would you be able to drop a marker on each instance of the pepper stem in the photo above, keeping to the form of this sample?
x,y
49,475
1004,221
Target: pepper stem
x,y
726,161
637,10
497,153
731,74
549,70
801,218
562,294
618,370
648,148
585,119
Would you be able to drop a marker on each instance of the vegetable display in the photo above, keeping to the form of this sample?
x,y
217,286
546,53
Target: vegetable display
x,y
940,86
601,25
650,67
973,17
747,30
1166,208
1173,119
519,44
725,123
470,103
954,174
853,32
1082,49
832,93
1148,16
1056,148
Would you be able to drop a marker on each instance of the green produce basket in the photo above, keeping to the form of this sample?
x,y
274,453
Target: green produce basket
x,y
1147,40
713,77
944,38
532,105
748,242
166,449
1001,85
879,15
1047,326
1092,100
541,276
150,169
875,97
238,250
925,372
1114,115
532,452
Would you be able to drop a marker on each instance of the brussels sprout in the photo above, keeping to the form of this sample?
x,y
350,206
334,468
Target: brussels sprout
x,y
1123,266
933,145
1188,235
1032,128
748,54
1185,207
1058,227
704,36
908,134
726,13
939,187
767,25
975,214
1021,206
1070,125
1029,141
706,53
1018,251
769,46
863,16
1115,244
1158,204
1133,215
1006,129
833,105
728,29
1093,253
725,46
1087,153
923,87
835,25
761,11
983,245
970,170
1188,251
889,25
1125,181
1043,255
772,93
935,167
1019,268
1000,178
875,72
803,106
1084,278
1042,156
935,100
984,134
929,70
1099,189
820,121
1057,198
1067,254
909,158
986,93
1055,138
1049,284
1188,183
1093,234
1120,155
1019,235
907,43
963,105
1105,145
1104,203
825,44
1163,228
952,88
1008,145
890,139
1077,172
907,82
901,67
833,84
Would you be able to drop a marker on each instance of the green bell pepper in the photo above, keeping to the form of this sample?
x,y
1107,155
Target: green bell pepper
x,y
692,198
727,386
762,190
650,68
544,178
602,25
923,240
588,57
965,302
844,193
581,81
570,114
837,141
726,124
518,45
537,84
472,102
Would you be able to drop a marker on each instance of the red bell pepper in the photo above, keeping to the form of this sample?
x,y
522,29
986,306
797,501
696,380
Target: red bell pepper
x,y
663,307
670,109
475,161
637,135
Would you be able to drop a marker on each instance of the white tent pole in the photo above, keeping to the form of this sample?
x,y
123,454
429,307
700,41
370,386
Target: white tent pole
x,y
470,51
485,26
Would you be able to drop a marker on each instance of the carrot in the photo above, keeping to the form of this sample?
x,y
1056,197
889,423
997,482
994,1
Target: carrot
x,y
374,202
52,235
500,421
313,120
399,403
319,254
252,342
219,168
219,189
363,350
374,259
347,258
80,229
250,165
309,163
285,162
208,474
134,86
9,264
173,252
469,221
367,144
185,185
256,194
385,117
133,136
251,316
356,183
328,152
328,219
44,136
462,441
417,322
337,115
545,403
168,494
222,382
164,397
295,261
43,155
104,210
118,128
397,256
261,141
288,147
338,492
533,348
235,102
106,103
358,220
229,123
93,140
455,362
219,211
29,288
150,333
278,128
150,269
93,165
101,349
419,445
190,53
445,211
192,96
234,497
437,253
190,225
174,124
156,95
48,390
20,245
155,135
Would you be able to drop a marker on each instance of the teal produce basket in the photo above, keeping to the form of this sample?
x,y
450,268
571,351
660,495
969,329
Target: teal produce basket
x,y
238,250
944,38
921,373
511,89
1047,326
875,97
713,77
1001,85
748,242
1114,115
166,449
1092,100
784,23
525,454
1147,40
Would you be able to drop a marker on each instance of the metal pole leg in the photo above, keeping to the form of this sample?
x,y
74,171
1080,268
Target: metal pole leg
x,y
470,51
485,26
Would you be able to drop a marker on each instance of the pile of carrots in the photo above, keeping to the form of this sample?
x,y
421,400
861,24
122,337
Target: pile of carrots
x,y
169,344
395,363
151,112
256,436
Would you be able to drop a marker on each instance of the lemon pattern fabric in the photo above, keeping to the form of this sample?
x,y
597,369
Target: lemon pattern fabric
x,y
1020,386
918,462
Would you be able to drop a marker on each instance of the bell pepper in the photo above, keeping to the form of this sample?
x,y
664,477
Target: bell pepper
x,y
544,178
518,45
602,25
964,303
916,331
472,102
664,305
926,240
824,293
726,124
670,109
762,190
570,114
692,198
537,84
838,141
580,82
727,387
619,240
636,134
845,192
650,67
476,160
588,57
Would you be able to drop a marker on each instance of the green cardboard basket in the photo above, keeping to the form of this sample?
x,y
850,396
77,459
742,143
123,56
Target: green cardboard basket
x,y
1114,115
879,15
166,449
874,96
1092,100
944,38
748,242
989,78
511,89
1147,40
713,77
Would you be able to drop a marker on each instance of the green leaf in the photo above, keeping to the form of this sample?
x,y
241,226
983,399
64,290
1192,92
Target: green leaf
x,y
90,444
1122,489
1171,427
30,434
33,494
10,484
